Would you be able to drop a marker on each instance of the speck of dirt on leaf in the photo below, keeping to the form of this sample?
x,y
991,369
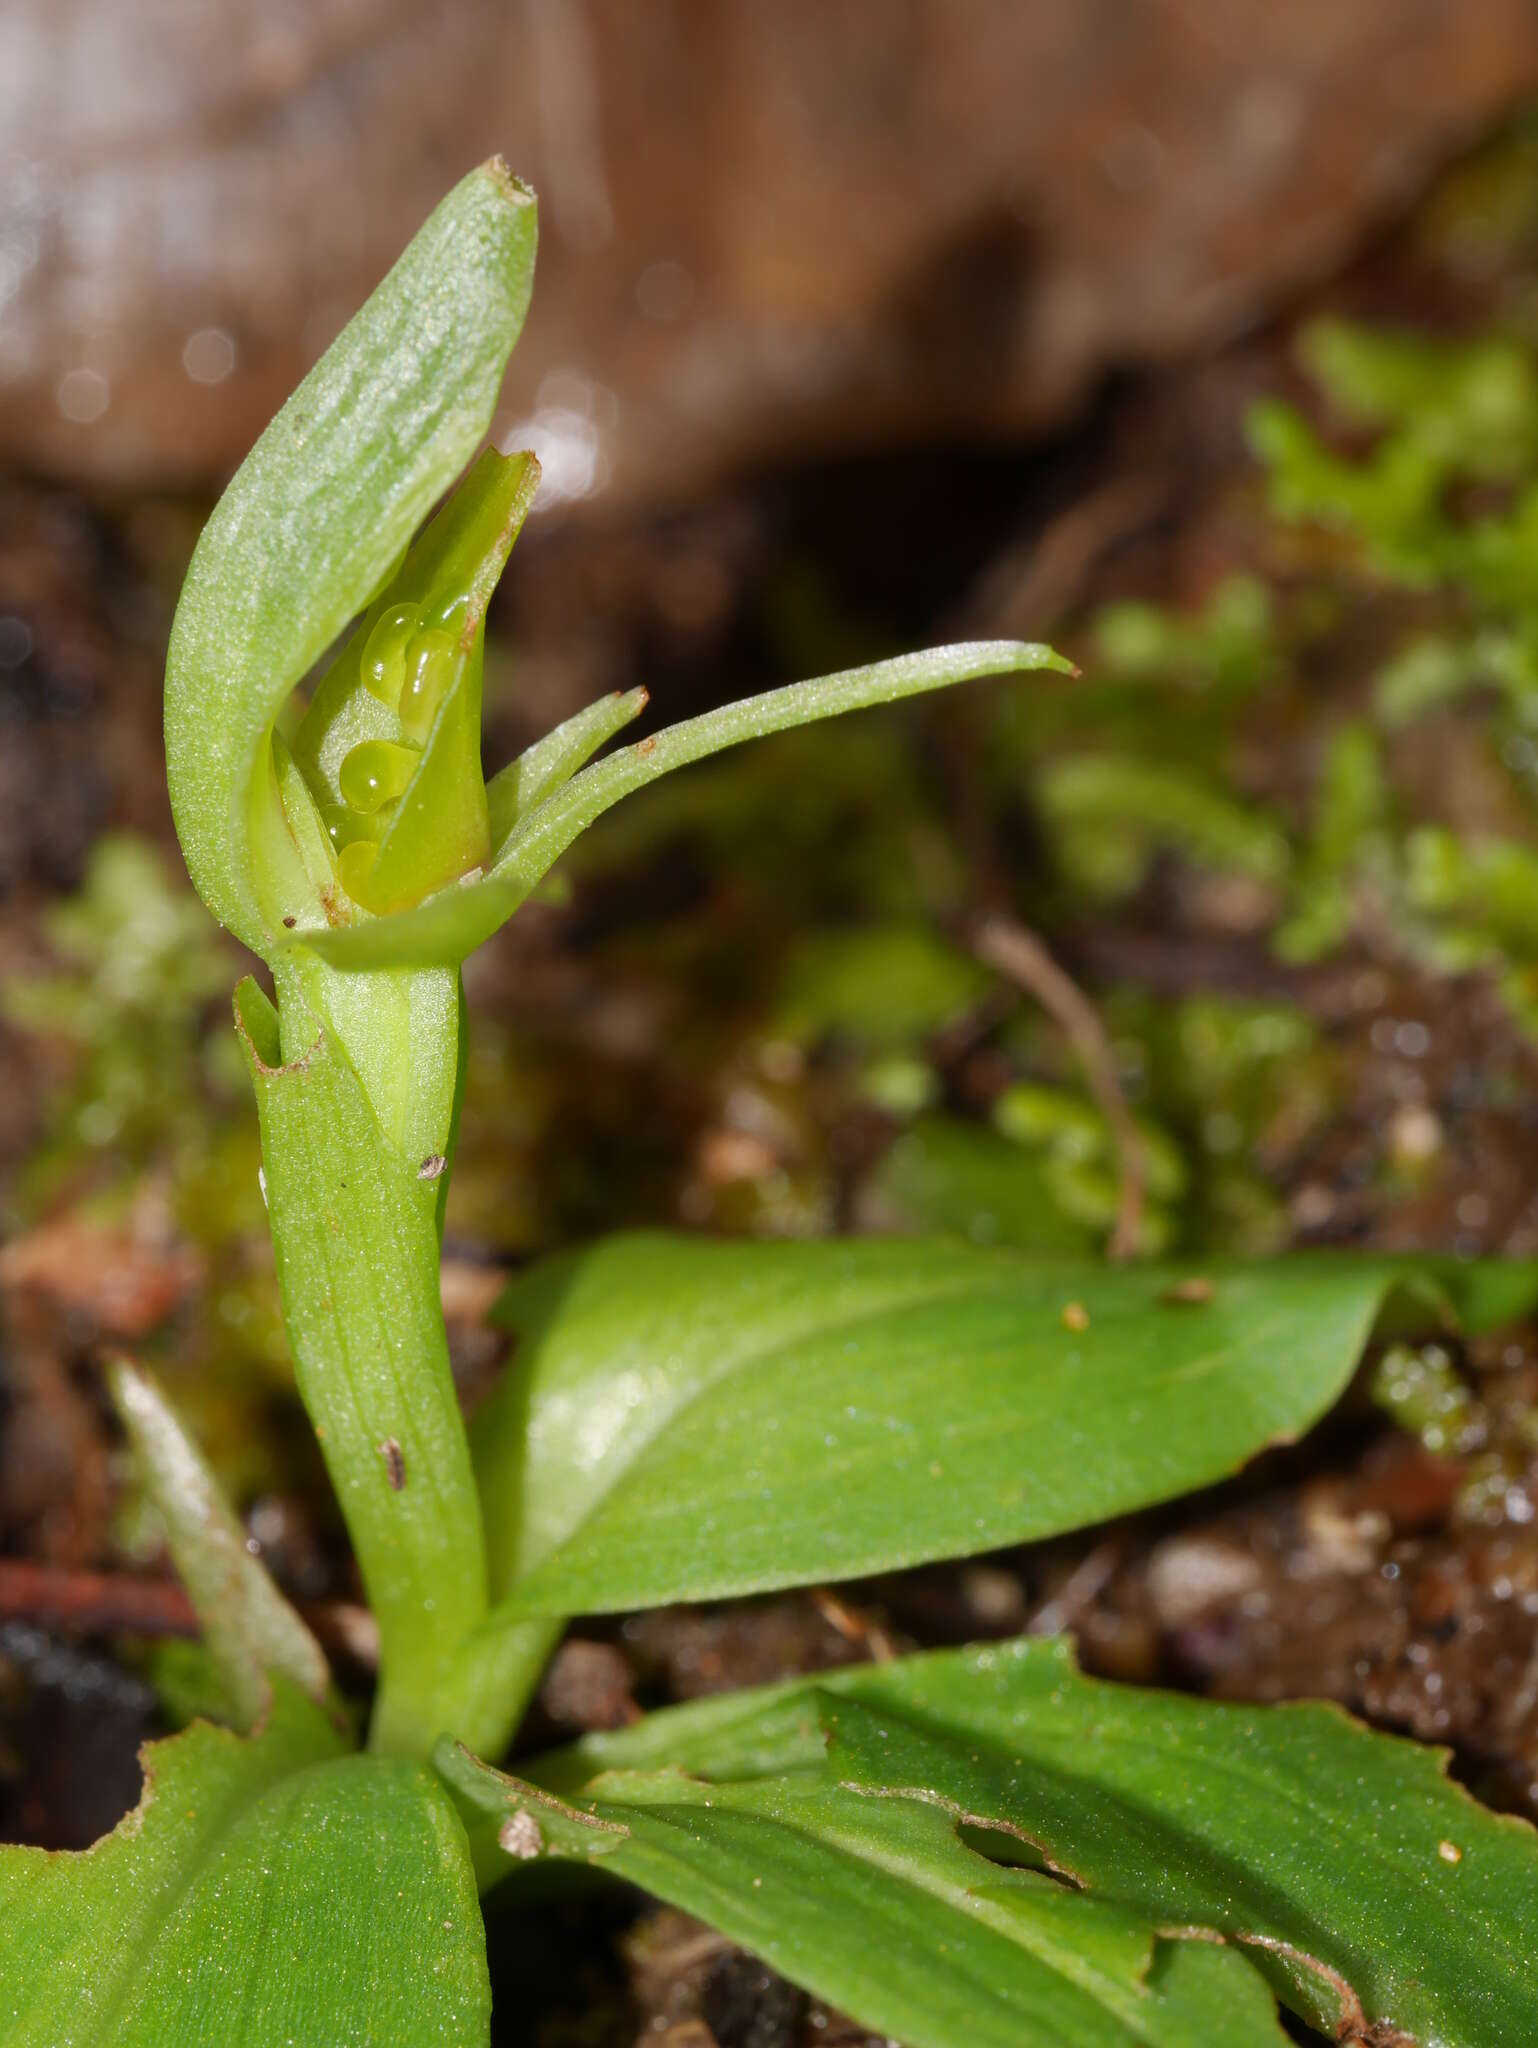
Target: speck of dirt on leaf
x,y
645,747
1194,1292
519,1835
289,923
432,1166
394,1462
1075,1317
1449,1852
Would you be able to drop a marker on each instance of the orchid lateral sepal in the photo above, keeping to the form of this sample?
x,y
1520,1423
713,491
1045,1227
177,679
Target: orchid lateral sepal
x,y
445,928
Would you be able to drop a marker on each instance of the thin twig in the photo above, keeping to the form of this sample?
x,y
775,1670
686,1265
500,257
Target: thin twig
x,y
1088,1578
94,1603
125,1603
852,1624
1043,572
1019,955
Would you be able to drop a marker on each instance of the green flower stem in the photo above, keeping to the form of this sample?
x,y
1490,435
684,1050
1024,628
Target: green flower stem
x,y
495,1674
353,1203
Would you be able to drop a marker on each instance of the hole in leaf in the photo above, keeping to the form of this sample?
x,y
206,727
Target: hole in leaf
x,y
1008,1850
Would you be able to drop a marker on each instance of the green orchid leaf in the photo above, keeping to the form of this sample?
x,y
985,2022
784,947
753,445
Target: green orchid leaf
x,y
1379,1899
267,1890
354,1230
315,522
685,1420
541,769
879,1905
445,928
249,1627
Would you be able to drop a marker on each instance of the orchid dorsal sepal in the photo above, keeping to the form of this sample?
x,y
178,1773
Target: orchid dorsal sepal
x,y
318,521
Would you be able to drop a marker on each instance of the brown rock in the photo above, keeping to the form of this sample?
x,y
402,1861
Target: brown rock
x,y
768,229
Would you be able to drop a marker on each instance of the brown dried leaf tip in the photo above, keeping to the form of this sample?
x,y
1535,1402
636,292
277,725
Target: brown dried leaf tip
x,y
394,1462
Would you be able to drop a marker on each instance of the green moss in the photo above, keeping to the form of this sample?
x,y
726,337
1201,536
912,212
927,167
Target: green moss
x,y
1418,1387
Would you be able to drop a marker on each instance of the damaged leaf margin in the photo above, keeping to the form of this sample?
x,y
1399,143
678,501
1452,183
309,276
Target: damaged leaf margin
x,y
882,1908
322,1887
1340,1865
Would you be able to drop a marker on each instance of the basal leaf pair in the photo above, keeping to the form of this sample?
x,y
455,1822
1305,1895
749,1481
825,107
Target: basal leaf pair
x,y
974,1848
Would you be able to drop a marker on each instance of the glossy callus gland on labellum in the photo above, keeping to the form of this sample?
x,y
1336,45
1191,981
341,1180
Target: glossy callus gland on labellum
x,y
390,747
